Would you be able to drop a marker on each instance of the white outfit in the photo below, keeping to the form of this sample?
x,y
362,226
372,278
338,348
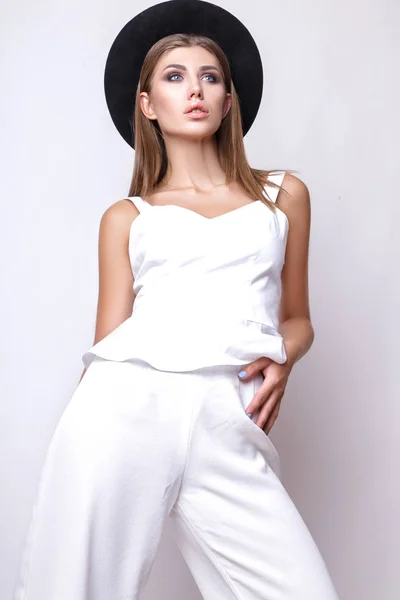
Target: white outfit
x,y
207,290
138,442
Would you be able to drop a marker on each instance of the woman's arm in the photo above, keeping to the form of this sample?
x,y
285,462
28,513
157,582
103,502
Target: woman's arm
x,y
115,296
294,311
294,314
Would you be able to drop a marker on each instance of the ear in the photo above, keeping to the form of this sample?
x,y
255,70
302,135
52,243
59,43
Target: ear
x,y
146,106
227,105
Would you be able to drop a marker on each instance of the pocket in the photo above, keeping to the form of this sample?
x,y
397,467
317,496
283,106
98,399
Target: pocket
x,y
247,391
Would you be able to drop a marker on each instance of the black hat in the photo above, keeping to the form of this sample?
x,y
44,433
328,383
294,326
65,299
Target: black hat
x,y
127,53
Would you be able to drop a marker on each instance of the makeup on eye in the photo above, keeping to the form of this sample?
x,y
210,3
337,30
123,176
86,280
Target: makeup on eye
x,y
215,79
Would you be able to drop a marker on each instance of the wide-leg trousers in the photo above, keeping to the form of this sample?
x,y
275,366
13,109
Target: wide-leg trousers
x,y
136,445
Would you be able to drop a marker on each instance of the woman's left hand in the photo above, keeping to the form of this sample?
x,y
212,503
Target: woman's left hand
x,y
269,395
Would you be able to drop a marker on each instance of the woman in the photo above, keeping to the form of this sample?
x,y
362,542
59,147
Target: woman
x,y
192,292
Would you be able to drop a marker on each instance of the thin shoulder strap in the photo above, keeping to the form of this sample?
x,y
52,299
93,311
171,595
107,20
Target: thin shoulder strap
x,y
275,178
140,204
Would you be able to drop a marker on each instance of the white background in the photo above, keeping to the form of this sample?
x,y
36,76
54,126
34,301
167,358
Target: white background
x,y
330,110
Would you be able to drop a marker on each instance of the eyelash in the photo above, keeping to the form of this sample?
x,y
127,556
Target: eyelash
x,y
208,74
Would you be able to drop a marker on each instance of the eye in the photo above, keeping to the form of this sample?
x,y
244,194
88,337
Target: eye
x,y
213,77
172,75
169,78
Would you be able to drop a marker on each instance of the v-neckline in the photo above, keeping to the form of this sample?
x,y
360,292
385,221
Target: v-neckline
x,y
196,214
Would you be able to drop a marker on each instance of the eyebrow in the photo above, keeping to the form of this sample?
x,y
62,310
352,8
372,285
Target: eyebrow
x,y
183,68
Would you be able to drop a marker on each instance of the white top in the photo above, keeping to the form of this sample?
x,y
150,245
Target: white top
x,y
207,289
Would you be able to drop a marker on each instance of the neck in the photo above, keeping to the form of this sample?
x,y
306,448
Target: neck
x,y
193,164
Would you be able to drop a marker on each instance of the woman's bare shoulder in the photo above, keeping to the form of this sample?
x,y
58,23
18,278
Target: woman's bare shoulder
x,y
118,217
294,186
297,199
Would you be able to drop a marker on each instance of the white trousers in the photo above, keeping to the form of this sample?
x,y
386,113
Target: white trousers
x,y
136,445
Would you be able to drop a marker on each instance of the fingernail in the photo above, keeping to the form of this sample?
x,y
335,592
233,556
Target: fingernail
x,y
249,415
242,374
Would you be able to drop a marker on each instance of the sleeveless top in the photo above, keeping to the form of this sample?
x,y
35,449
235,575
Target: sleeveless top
x,y
207,289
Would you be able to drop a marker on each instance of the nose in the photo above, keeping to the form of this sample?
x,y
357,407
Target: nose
x,y
196,91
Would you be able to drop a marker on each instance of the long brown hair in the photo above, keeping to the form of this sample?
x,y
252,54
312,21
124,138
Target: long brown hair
x,y
151,161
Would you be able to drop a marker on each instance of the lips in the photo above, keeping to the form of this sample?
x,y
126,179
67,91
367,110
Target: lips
x,y
194,106
197,114
196,110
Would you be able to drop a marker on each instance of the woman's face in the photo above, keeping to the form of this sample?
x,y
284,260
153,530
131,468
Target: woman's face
x,y
195,75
